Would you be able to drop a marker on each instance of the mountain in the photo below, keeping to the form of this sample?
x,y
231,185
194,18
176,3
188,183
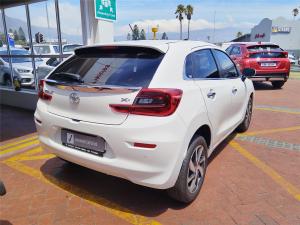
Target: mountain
x,y
51,33
221,35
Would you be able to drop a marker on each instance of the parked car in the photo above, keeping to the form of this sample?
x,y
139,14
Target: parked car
x,y
46,49
49,64
69,48
269,60
292,59
151,112
46,67
22,68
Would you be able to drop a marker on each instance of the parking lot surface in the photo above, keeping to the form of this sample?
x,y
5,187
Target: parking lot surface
x,y
252,178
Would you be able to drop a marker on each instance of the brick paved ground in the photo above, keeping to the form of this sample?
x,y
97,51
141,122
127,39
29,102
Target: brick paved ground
x,y
251,180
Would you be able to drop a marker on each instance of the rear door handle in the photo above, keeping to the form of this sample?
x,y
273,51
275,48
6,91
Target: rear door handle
x,y
211,94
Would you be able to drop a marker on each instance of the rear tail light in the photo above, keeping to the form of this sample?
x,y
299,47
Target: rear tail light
x,y
42,92
152,102
286,54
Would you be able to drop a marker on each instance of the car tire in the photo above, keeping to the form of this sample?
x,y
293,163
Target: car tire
x,y
192,172
243,127
277,84
2,189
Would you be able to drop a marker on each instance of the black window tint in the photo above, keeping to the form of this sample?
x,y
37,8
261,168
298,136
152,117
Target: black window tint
x,y
204,65
120,66
227,67
236,50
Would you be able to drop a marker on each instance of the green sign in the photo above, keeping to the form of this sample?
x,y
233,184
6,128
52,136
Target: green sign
x,y
105,9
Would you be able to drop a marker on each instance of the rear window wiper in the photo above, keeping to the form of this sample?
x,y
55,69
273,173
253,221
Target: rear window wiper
x,y
66,77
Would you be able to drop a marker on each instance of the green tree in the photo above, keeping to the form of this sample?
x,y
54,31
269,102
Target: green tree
x,y
136,33
21,34
239,34
295,12
189,12
142,35
10,31
164,36
128,37
16,36
179,12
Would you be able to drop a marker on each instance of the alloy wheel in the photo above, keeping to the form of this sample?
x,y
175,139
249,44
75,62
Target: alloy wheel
x,y
196,169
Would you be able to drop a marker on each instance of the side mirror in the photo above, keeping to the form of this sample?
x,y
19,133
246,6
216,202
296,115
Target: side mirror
x,y
248,72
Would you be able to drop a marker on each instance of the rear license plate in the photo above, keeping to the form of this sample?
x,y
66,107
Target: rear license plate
x,y
87,143
268,64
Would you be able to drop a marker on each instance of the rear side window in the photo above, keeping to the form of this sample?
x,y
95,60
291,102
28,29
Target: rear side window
x,y
118,66
236,50
55,47
228,69
201,64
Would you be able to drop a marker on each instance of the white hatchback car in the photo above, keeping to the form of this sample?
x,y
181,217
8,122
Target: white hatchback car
x,y
151,112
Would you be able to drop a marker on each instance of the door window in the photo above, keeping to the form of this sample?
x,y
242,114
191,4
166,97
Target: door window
x,y
236,50
201,64
227,67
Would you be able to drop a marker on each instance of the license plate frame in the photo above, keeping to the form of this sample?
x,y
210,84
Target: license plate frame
x,y
268,64
88,143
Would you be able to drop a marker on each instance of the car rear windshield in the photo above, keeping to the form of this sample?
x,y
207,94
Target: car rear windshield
x,y
267,55
258,48
110,65
265,51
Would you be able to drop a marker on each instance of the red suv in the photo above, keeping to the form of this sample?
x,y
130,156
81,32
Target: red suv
x,y
270,62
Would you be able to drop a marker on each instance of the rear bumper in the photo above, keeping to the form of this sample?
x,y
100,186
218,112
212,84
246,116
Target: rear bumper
x,y
156,168
270,77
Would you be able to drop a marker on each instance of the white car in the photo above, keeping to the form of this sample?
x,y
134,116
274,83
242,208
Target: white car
x,y
46,49
292,59
151,112
22,68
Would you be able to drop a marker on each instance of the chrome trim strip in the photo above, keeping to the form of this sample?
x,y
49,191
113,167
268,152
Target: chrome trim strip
x,y
91,88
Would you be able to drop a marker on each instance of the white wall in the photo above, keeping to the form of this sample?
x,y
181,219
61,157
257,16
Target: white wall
x,y
93,30
288,41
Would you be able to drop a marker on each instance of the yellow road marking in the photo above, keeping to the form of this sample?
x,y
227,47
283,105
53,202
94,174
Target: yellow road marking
x,y
279,110
5,146
19,147
37,157
95,200
270,131
291,189
29,155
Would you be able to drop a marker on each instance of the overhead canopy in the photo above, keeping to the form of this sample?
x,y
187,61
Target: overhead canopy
x,y
12,3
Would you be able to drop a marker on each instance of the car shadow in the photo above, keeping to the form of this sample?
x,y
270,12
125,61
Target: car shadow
x,y
5,222
113,192
262,86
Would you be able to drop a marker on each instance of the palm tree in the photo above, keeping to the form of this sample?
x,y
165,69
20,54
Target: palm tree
x,y
295,12
179,12
189,12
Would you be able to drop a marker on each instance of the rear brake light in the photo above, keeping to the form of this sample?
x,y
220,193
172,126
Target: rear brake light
x,y
152,102
286,54
42,93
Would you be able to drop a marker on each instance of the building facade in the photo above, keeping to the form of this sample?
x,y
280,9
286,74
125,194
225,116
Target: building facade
x,y
285,33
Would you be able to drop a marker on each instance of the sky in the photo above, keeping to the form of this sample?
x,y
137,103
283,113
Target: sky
x,y
148,13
